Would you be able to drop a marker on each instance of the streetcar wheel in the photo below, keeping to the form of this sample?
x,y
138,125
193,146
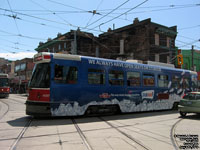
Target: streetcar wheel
x,y
183,114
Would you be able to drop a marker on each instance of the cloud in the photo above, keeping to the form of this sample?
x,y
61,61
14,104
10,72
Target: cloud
x,y
17,56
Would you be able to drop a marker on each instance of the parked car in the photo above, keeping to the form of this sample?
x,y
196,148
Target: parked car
x,y
189,104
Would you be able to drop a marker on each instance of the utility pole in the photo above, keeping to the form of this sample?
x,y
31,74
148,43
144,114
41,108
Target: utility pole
x,y
75,43
192,58
170,51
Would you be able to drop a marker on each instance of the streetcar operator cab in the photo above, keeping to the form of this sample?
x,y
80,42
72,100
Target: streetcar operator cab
x,y
72,85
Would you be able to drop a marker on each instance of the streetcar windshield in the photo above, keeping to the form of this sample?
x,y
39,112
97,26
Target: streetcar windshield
x,y
3,82
41,76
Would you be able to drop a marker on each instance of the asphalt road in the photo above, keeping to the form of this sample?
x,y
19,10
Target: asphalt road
x,y
163,130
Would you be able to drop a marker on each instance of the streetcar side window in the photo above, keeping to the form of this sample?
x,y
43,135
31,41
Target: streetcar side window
x,y
148,80
176,81
194,81
133,78
116,77
186,83
66,74
163,81
96,76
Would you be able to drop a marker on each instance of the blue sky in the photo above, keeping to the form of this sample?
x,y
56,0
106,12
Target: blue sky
x,y
24,23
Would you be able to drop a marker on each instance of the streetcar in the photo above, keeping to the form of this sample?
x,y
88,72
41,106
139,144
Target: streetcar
x,y
4,85
73,85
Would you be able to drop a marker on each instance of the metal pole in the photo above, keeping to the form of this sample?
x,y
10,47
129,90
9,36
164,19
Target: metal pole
x,y
75,43
170,51
192,58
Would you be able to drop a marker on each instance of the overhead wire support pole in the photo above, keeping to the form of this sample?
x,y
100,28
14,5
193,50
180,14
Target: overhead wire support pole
x,y
192,58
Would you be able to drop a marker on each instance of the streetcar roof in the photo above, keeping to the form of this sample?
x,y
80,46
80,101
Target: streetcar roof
x,y
46,57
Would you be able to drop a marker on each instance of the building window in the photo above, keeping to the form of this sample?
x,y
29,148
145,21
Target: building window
x,y
163,81
133,78
157,39
121,46
162,40
65,45
148,80
96,76
116,77
157,57
66,74
168,42
59,47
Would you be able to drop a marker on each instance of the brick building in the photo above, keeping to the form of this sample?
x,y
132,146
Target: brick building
x,y
73,42
142,40
23,71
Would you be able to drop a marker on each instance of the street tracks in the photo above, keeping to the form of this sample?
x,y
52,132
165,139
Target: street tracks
x,y
139,143
17,140
172,133
83,137
5,111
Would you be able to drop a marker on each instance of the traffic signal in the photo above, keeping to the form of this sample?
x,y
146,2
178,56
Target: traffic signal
x,y
180,59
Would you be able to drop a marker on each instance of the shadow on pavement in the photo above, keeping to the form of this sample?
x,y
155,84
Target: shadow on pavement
x,y
192,116
52,121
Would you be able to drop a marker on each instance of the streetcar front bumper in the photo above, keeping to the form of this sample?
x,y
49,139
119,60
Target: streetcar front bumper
x,y
38,108
3,95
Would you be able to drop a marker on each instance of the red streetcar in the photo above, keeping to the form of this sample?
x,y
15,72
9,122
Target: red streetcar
x,y
4,85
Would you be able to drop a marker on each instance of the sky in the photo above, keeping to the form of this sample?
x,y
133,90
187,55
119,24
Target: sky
x,y
24,23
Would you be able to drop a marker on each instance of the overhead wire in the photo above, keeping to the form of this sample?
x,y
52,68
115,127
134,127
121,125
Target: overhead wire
x,y
170,7
162,6
20,35
94,13
34,22
48,20
14,17
121,14
108,13
16,43
52,12
191,27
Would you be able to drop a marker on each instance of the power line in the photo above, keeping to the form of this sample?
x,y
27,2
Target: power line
x,y
14,17
163,6
191,43
108,13
20,35
16,43
66,5
164,9
29,21
52,12
44,19
191,27
121,14
94,13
